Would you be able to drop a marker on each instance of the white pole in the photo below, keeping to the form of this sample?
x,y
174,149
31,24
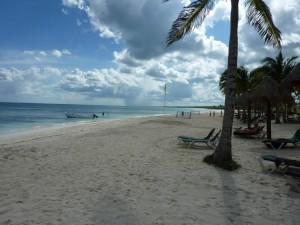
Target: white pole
x,y
165,89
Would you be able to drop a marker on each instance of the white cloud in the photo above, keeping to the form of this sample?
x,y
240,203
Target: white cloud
x,y
191,67
43,53
35,53
220,12
79,22
286,17
197,59
64,11
58,53
29,52
104,83
10,75
53,71
74,3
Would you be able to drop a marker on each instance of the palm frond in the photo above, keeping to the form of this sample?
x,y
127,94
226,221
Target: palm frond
x,y
222,82
290,61
289,64
260,17
258,74
242,81
191,16
277,67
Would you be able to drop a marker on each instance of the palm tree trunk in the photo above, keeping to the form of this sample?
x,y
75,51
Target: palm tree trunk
x,y
269,115
249,116
284,116
223,150
238,112
277,117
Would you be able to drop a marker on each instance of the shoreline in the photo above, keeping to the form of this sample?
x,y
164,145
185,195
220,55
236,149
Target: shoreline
x,y
62,127
132,171
44,126
18,117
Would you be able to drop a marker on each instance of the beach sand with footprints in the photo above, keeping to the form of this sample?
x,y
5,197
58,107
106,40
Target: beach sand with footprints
x,y
134,172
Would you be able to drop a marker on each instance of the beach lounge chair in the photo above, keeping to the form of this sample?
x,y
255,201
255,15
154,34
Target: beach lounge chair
x,y
189,142
256,131
189,137
289,167
282,142
281,164
293,176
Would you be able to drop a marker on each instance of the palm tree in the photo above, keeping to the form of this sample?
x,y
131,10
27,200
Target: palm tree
x,y
243,84
276,68
259,16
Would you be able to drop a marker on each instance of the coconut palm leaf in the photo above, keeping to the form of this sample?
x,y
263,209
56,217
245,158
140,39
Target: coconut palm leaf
x,y
277,68
222,82
260,17
191,16
242,81
289,64
258,74
293,78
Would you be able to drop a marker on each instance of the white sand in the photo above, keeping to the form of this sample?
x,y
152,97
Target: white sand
x,y
134,172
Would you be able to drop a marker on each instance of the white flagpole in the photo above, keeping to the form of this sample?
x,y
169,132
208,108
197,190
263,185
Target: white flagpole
x,y
165,89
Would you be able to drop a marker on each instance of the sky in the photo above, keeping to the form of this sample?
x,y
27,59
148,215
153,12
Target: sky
x,y
112,52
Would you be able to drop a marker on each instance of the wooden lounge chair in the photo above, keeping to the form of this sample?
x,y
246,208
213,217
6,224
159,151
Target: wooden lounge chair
x,y
189,142
189,137
282,142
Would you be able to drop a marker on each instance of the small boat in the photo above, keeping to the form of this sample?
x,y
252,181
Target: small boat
x,y
72,115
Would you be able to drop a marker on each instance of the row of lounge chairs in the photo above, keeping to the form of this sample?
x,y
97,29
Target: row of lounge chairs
x,y
282,142
211,140
258,132
289,167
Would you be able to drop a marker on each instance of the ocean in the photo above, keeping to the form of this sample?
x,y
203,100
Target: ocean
x,y
16,117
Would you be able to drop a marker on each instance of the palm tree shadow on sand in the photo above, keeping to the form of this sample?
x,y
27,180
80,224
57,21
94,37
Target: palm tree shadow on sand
x,y
114,210
232,206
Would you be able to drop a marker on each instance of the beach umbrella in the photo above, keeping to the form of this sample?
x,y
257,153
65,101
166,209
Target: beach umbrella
x,y
267,92
245,98
293,78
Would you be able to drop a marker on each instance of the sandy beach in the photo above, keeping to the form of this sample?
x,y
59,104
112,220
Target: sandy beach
x,y
134,172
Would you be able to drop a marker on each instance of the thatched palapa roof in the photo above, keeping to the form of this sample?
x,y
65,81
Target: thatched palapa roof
x,y
293,78
245,98
267,90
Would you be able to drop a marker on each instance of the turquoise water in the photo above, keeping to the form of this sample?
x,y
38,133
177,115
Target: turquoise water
x,y
16,117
